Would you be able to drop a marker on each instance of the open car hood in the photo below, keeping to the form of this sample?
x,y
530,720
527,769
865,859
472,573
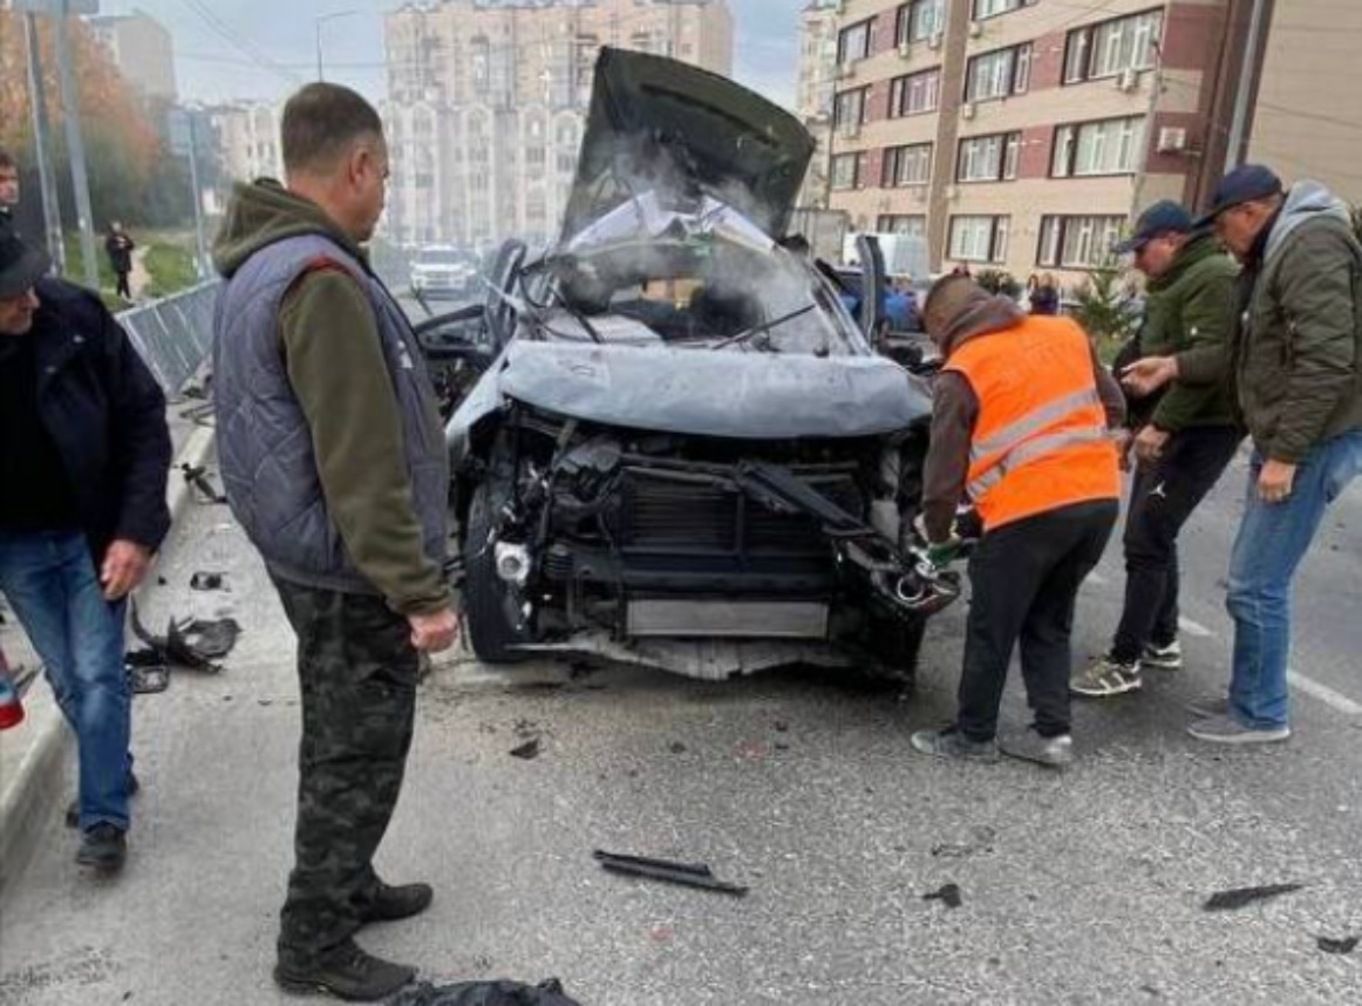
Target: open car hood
x,y
660,124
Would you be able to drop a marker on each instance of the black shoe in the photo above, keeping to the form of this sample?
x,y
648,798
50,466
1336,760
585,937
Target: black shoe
x,y
951,743
346,972
104,848
388,904
73,808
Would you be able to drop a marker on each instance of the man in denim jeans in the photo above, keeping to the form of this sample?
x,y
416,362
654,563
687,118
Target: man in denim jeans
x,y
84,457
1297,370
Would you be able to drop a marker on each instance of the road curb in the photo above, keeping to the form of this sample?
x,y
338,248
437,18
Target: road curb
x,y
30,788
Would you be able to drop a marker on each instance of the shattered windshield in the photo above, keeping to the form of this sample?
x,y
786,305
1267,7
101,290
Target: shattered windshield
x,y
705,278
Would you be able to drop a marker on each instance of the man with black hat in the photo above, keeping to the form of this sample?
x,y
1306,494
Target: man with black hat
x,y
1185,438
9,184
1296,366
84,457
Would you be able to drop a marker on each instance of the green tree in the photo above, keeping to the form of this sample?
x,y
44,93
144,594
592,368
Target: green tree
x,y
997,281
1103,311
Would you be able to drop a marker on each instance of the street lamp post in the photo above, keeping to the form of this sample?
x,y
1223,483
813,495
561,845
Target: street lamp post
x,y
320,20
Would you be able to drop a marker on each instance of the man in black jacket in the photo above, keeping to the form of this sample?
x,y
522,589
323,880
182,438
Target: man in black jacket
x,y
84,457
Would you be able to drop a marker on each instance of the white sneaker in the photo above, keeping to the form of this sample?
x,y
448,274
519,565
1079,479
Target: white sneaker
x,y
1164,658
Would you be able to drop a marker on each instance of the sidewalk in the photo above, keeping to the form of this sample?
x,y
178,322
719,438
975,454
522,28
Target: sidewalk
x,y
37,762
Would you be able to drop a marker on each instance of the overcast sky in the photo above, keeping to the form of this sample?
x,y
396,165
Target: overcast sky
x,y
212,68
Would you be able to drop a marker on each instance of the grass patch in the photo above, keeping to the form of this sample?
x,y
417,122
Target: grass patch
x,y
171,269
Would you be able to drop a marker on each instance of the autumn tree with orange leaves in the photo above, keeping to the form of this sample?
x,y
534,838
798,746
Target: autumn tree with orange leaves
x,y
132,175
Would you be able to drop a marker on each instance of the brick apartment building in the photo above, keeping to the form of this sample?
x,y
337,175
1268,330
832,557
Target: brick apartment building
x,y
1022,134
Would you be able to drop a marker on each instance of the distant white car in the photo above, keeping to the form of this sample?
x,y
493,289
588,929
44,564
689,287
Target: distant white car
x,y
443,271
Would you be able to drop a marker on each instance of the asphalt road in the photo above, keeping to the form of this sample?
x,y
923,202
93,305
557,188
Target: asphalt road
x,y
1085,887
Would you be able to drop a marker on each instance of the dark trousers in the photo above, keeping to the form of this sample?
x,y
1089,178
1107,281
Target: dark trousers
x,y
1162,497
358,673
122,289
1024,581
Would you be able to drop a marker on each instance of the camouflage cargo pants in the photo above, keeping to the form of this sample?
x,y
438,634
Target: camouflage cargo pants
x,y
358,673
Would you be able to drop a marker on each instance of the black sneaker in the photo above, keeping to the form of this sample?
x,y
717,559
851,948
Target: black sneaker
x,y
388,903
951,743
1052,752
346,972
73,808
104,848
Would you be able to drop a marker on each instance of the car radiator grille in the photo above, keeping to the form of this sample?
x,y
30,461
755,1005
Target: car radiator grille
x,y
665,514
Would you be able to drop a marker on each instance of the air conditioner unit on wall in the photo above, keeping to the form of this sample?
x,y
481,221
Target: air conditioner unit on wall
x,y
952,192
1172,140
967,110
845,71
975,29
905,49
1128,80
935,41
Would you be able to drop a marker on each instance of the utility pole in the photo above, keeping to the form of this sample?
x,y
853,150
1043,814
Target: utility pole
x,y
317,23
200,244
1239,124
80,180
47,179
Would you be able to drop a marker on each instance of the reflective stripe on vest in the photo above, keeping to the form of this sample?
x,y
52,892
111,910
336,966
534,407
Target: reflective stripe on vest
x,y
1030,451
1029,425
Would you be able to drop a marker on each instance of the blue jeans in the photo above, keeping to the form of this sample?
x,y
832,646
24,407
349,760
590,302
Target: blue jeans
x,y
50,581
1272,541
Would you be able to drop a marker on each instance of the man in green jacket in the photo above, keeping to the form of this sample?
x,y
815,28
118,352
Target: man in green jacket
x,y
1296,366
1185,438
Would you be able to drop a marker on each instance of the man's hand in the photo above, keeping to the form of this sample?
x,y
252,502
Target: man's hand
x,y
1144,377
1123,439
1150,443
434,633
125,567
941,554
1275,481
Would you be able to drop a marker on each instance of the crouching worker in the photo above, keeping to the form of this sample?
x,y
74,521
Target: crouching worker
x,y
1020,424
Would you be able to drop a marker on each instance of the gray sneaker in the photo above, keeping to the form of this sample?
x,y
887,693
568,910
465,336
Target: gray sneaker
x,y
1209,707
1105,678
1163,658
951,743
1052,752
1228,730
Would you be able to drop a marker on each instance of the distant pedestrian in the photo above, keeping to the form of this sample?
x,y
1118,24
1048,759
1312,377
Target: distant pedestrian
x,y
1186,439
84,457
9,184
900,308
1296,368
120,248
1020,419
1044,294
334,462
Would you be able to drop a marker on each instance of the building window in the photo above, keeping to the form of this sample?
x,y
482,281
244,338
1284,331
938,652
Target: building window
x,y
850,107
899,223
999,74
1082,242
989,158
915,94
854,43
920,20
846,171
1111,48
979,238
910,165
1109,147
992,8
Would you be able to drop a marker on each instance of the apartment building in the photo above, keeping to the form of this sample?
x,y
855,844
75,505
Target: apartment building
x,y
1023,134
816,87
248,140
1306,122
487,102
142,49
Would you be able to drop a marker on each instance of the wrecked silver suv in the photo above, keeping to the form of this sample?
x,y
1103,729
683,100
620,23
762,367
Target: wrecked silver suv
x,y
678,448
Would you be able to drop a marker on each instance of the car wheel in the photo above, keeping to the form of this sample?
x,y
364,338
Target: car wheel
x,y
898,644
487,600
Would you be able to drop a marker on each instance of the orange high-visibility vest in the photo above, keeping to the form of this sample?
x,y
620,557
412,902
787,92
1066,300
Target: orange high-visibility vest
x,y
1040,442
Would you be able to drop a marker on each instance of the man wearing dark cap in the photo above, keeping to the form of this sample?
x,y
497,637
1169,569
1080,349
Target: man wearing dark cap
x,y
84,457
1296,367
1021,417
9,184
1185,437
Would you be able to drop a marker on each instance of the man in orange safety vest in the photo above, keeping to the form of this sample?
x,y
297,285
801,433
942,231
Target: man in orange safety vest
x,y
1021,424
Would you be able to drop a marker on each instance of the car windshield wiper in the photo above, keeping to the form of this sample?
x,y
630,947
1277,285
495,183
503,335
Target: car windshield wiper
x,y
764,327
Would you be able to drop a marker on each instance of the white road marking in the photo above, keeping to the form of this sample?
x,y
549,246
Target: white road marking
x,y
1335,700
1195,629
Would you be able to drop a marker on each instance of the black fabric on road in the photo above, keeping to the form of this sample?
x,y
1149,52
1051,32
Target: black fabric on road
x,y
496,993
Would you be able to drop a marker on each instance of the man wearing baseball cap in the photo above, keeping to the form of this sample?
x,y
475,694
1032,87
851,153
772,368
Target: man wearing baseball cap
x,y
84,458
1184,439
1296,367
